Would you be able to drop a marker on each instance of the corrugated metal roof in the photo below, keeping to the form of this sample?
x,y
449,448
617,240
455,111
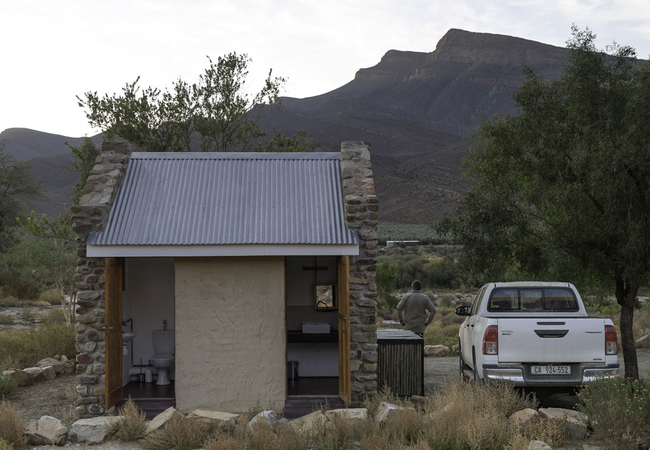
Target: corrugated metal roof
x,y
228,198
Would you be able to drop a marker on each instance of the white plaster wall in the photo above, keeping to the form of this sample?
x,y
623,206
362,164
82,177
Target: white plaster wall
x,y
148,299
230,333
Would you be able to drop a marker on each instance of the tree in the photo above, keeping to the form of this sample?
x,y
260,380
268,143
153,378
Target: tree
x,y
83,160
17,188
563,188
213,115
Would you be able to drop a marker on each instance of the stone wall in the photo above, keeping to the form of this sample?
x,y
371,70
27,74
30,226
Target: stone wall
x,y
90,215
361,214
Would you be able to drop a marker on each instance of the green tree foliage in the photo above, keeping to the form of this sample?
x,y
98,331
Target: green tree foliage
x,y
83,160
216,114
563,189
17,188
386,283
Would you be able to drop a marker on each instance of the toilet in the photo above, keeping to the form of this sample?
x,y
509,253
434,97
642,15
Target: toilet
x,y
163,358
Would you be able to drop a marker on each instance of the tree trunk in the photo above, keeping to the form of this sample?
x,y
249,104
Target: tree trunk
x,y
626,296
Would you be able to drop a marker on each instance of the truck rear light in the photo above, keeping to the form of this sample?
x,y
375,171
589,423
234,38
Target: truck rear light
x,y
611,341
491,340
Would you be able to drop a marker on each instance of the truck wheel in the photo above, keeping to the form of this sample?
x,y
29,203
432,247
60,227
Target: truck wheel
x,y
463,367
478,382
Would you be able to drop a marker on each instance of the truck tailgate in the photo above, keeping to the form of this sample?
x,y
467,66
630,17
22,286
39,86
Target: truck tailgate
x,y
550,340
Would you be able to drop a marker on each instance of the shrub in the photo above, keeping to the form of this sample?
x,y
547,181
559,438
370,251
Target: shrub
x,y
8,387
28,289
24,348
181,433
131,424
56,315
618,410
4,445
12,429
6,319
29,314
9,301
52,297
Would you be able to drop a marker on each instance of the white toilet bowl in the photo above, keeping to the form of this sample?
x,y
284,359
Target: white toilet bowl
x,y
162,363
163,358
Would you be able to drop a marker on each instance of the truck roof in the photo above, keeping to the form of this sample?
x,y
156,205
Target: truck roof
x,y
532,284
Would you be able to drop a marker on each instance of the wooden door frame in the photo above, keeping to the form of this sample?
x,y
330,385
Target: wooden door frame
x,y
345,375
114,271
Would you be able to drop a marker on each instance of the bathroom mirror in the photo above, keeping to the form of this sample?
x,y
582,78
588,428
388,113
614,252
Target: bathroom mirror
x,y
325,297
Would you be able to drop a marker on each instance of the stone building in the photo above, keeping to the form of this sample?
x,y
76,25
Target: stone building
x,y
256,267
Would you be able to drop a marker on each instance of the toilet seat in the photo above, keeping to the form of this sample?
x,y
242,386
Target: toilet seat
x,y
164,359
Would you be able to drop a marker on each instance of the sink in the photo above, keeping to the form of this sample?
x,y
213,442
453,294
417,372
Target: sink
x,y
127,337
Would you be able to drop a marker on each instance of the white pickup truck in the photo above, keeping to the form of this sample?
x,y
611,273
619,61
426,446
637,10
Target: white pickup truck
x,y
536,335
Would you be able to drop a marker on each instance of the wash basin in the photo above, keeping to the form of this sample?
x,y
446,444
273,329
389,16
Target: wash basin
x,y
127,337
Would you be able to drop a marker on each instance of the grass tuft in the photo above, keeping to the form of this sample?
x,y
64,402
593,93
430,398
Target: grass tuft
x,y
131,424
24,348
179,433
12,429
6,319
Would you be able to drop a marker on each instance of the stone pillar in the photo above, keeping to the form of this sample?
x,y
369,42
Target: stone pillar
x,y
90,215
361,214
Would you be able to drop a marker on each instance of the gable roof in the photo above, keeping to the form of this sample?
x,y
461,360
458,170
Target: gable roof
x,y
201,201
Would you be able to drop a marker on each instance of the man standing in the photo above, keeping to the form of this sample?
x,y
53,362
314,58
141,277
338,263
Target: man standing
x,y
413,309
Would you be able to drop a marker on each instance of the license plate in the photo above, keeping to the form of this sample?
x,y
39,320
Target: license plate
x,y
551,370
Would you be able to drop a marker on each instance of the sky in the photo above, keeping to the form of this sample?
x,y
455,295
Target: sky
x,y
51,52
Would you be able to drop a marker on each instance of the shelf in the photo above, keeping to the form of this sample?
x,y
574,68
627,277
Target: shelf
x,y
298,337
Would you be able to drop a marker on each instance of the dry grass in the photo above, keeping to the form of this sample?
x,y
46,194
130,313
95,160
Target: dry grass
x,y
4,445
6,319
56,315
131,424
51,297
24,348
179,433
12,429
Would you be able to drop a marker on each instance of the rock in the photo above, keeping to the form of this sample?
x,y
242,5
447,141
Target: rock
x,y
269,417
91,431
355,416
49,373
223,420
161,419
436,350
45,431
643,342
455,349
521,418
283,421
36,373
305,424
62,440
575,422
21,377
592,447
386,410
538,445
57,364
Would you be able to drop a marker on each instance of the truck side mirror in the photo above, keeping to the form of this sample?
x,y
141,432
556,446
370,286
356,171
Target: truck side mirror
x,y
462,310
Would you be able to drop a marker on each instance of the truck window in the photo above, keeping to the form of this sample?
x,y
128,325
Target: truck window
x,y
477,302
532,300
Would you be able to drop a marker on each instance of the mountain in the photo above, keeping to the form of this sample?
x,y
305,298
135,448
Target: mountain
x,y
51,163
418,110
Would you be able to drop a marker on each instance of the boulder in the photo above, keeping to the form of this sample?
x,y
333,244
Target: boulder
x,y
57,364
45,431
21,377
269,417
643,342
161,419
386,410
355,416
36,373
436,350
310,422
521,418
91,431
538,445
575,422
222,420
455,349
49,373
